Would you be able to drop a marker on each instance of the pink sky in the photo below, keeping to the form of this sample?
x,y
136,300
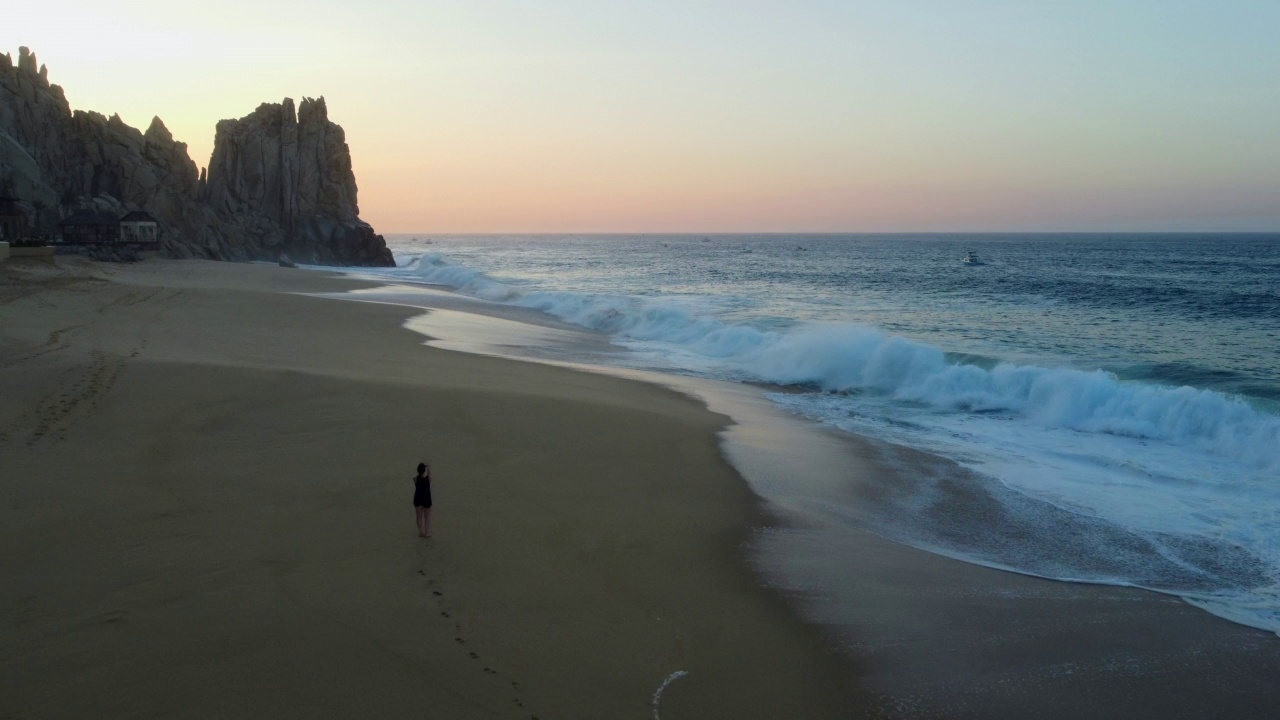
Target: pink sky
x,y
705,116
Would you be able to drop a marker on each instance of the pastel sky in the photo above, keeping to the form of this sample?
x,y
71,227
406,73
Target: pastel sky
x,y
705,116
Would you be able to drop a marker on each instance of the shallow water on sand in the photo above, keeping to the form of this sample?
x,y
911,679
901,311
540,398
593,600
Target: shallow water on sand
x,y
1112,401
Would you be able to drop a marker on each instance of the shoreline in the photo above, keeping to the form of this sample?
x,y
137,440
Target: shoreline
x,y
205,519
1096,649
907,633
496,330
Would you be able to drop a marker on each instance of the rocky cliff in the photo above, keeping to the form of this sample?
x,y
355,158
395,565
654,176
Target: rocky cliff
x,y
278,181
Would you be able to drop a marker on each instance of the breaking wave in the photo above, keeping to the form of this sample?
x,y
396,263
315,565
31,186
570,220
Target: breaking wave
x,y
864,360
1099,479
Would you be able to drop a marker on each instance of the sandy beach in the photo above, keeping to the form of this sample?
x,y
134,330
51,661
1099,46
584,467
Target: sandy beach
x,y
206,473
856,361
207,513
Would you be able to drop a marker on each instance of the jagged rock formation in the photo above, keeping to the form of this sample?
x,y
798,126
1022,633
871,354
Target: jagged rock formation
x,y
277,182
294,170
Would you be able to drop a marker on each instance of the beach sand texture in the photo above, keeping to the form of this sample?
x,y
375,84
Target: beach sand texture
x,y
207,513
206,483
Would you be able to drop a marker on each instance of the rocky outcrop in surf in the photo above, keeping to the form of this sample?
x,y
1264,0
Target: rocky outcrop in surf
x,y
279,182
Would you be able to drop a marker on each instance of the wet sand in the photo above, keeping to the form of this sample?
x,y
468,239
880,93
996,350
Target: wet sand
x,y
207,513
940,638
934,637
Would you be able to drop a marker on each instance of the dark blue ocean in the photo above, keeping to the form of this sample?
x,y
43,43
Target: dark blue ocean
x,y
1130,382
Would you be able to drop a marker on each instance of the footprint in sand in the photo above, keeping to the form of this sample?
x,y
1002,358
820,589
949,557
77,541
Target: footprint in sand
x,y
474,656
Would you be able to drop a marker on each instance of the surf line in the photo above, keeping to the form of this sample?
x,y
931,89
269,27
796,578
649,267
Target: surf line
x,y
657,694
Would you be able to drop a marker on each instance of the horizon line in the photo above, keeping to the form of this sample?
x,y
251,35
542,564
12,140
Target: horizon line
x,y
544,233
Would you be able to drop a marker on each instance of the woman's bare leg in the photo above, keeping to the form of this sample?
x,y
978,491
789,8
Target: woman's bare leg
x,y
421,514
426,522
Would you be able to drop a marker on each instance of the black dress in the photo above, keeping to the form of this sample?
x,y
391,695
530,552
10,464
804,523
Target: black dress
x,y
422,491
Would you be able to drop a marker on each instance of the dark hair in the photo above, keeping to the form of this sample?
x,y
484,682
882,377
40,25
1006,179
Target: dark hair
x,y
422,467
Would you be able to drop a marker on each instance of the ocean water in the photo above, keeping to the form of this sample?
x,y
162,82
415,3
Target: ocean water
x,y
1117,397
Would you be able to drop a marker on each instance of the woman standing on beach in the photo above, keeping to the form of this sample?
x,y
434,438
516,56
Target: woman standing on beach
x,y
422,499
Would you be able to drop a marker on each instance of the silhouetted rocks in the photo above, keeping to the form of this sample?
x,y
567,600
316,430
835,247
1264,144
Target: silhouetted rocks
x,y
278,182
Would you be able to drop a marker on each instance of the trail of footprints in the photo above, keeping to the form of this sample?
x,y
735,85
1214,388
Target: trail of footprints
x,y
56,341
58,411
438,595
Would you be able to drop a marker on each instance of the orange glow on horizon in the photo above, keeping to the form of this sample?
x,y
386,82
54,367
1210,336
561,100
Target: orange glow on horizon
x,y
504,117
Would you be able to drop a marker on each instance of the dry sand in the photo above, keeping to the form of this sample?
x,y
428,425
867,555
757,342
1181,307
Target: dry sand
x,y
207,513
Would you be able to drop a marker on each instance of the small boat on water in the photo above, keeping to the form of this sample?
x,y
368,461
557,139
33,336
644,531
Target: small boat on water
x,y
971,258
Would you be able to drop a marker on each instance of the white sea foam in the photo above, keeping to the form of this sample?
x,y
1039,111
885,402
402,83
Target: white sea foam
x,y
849,358
1160,462
657,694
846,357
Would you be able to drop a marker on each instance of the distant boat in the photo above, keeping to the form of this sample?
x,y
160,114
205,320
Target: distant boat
x,y
706,239
971,258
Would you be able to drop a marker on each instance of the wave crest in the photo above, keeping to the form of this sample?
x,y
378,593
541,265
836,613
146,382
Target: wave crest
x,y
856,358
